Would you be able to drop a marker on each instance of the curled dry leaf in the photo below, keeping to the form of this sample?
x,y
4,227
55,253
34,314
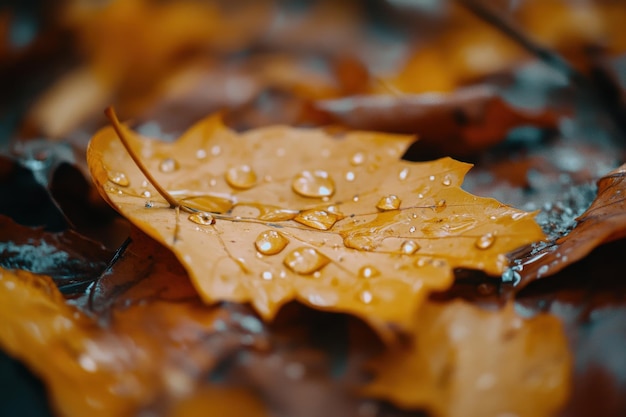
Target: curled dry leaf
x,y
279,214
603,222
465,361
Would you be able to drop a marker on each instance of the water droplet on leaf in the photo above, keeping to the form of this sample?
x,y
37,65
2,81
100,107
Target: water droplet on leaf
x,y
357,159
270,242
313,184
317,219
485,241
200,154
390,202
168,165
119,178
403,174
208,203
366,296
446,180
409,247
305,261
368,271
242,177
202,218
267,275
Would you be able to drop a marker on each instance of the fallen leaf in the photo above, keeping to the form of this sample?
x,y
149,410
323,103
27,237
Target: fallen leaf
x,y
603,222
464,361
279,214
464,122
150,354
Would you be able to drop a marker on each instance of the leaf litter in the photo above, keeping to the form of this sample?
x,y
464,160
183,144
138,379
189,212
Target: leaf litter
x,y
444,60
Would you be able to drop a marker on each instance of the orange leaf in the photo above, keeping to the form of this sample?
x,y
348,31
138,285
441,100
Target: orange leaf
x,y
130,358
278,214
468,362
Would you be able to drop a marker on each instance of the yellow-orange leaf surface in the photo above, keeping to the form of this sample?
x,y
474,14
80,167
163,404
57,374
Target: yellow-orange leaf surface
x,y
341,224
467,362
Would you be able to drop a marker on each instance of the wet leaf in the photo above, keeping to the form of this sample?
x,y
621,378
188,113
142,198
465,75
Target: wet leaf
x,y
603,222
464,361
69,258
150,354
279,214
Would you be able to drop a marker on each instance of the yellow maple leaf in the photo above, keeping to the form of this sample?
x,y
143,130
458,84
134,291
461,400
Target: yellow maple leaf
x,y
467,362
279,214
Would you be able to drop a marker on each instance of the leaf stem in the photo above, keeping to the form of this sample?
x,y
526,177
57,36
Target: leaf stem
x,y
119,129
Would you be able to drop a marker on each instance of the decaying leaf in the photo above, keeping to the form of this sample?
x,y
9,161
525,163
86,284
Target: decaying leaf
x,y
603,222
464,361
153,353
278,214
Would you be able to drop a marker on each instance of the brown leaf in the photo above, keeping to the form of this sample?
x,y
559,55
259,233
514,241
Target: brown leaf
x,y
604,221
461,123
284,214
464,361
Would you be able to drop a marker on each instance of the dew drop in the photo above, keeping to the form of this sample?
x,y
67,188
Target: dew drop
x,y
313,184
168,165
409,247
216,150
412,229
366,296
305,261
485,241
355,198
144,183
440,205
270,242
357,159
446,180
317,219
368,271
390,202
200,154
350,176
149,204
202,218
403,174
242,177
431,178
146,194
119,178
267,275
542,271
